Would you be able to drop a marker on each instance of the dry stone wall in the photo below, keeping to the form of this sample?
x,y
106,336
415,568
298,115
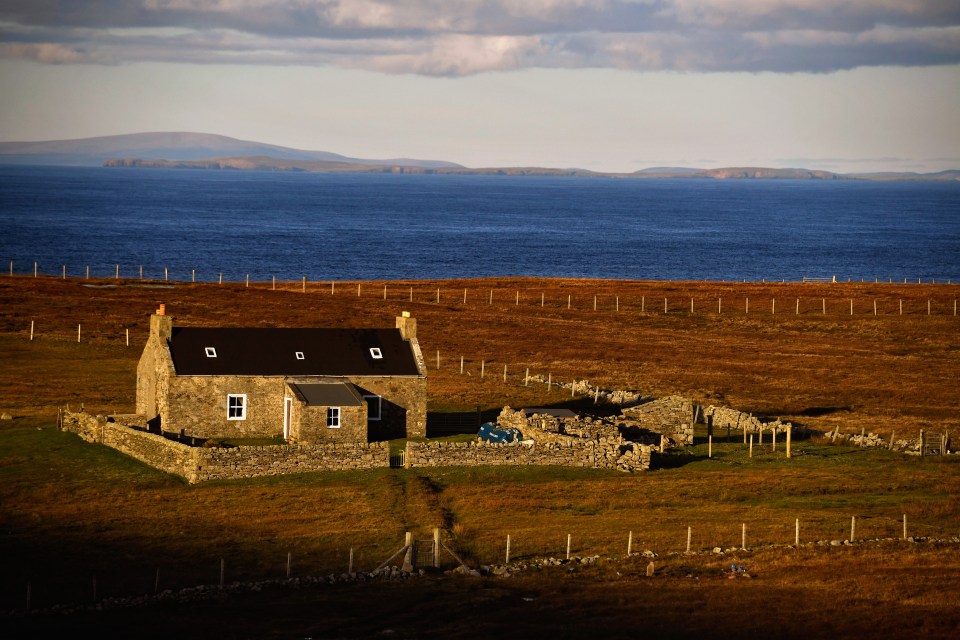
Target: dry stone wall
x,y
605,454
250,462
197,464
132,439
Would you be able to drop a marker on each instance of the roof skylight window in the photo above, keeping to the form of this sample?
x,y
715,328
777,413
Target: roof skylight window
x,y
211,352
375,353
299,355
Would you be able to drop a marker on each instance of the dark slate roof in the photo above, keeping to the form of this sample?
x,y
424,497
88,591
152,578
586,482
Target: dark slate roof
x,y
272,352
338,394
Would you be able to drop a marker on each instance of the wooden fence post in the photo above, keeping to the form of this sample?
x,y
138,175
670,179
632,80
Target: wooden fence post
x,y
504,373
223,568
31,331
630,544
438,359
483,364
743,535
436,547
789,433
461,365
709,446
568,546
751,445
853,528
290,561
689,536
304,283
350,563
507,560
904,526
796,537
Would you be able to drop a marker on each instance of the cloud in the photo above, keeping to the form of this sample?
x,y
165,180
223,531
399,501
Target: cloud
x,y
462,37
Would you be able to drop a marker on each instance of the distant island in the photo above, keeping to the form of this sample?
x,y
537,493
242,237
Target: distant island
x,y
201,151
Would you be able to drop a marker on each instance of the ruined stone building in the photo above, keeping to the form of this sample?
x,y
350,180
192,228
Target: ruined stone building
x,y
310,385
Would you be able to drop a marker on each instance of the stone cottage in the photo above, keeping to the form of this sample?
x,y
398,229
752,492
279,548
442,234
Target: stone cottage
x,y
313,385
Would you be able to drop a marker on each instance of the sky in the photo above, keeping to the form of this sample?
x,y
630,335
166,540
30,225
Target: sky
x,y
606,85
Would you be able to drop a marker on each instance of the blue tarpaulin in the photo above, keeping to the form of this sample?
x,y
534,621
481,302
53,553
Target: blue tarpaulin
x,y
489,433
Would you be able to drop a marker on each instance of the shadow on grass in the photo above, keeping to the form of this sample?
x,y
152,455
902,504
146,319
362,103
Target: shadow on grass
x,y
673,459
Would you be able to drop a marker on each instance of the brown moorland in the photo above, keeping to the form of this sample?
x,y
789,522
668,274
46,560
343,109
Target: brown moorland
x,y
72,511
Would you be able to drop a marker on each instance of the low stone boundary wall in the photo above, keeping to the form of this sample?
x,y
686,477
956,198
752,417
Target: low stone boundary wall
x,y
604,454
149,448
250,462
196,464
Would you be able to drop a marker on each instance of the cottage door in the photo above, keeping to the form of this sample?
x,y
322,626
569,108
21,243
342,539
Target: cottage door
x,y
287,412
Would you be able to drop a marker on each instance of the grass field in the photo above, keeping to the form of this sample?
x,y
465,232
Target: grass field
x,y
71,511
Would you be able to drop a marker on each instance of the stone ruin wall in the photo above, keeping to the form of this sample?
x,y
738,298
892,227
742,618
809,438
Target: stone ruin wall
x,y
724,417
196,464
672,416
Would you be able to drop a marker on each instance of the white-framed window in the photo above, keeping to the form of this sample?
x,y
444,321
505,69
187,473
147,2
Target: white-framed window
x,y
333,417
375,353
211,352
373,407
299,355
236,406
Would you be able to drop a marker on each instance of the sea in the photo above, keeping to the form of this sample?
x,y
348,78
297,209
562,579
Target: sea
x,y
333,227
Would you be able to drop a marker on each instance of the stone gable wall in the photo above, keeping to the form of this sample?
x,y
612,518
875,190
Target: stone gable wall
x,y
672,416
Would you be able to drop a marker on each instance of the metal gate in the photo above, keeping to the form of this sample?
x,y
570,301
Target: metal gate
x,y
396,459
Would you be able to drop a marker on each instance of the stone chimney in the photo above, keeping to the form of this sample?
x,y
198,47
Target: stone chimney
x,y
161,325
407,326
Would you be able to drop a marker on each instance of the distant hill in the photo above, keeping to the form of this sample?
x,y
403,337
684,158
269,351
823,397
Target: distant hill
x,y
174,146
952,174
266,163
180,150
